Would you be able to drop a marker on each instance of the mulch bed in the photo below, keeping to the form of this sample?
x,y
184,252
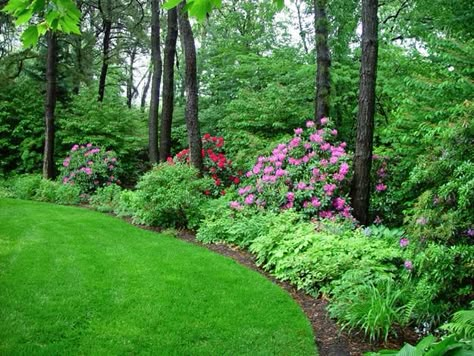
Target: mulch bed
x,y
329,338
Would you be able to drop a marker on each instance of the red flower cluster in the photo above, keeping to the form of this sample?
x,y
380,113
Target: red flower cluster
x,y
216,164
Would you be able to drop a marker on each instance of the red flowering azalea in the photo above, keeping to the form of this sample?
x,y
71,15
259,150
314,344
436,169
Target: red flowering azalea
x,y
215,163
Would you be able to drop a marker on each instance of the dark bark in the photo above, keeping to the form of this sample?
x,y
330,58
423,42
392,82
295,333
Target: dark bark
x,y
168,85
191,87
365,121
50,105
130,87
78,56
105,58
146,87
323,59
155,82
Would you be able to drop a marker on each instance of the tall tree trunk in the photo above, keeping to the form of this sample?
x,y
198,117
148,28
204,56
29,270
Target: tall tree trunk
x,y
146,87
105,58
323,59
155,82
168,85
77,40
191,84
365,120
130,87
50,105
300,23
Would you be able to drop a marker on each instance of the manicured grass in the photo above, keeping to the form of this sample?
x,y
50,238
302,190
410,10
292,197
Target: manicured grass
x,y
74,281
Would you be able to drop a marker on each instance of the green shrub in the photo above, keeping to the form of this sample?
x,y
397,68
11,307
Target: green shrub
x,y
125,203
170,196
374,308
90,167
106,199
235,227
442,280
55,192
25,186
313,259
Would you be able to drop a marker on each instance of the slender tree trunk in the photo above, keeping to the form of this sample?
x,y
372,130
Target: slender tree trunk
x,y
130,87
365,120
155,82
323,59
50,105
77,40
300,23
146,87
105,58
168,85
191,84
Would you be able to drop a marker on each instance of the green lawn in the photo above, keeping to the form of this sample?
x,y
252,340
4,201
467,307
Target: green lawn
x,y
74,281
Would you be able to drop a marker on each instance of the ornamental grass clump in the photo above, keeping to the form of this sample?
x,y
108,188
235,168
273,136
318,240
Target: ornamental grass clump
x,y
89,167
216,164
310,174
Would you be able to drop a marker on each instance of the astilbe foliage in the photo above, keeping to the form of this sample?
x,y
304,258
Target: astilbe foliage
x,y
89,167
216,164
310,173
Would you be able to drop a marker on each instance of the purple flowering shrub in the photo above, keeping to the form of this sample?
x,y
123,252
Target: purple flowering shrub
x,y
310,173
89,167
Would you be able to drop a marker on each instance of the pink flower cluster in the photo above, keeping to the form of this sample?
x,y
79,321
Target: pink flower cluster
x,y
89,167
309,173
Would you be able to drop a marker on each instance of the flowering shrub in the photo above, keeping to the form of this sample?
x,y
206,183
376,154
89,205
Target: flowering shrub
x,y
309,173
215,162
89,167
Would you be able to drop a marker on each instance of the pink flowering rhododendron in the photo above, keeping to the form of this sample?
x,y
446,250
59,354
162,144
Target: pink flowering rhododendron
x,y
310,173
89,167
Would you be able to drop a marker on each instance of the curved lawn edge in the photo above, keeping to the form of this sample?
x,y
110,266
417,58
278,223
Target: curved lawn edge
x,y
75,280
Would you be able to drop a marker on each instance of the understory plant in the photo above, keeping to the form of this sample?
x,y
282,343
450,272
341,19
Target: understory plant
x,y
216,164
89,167
310,174
170,195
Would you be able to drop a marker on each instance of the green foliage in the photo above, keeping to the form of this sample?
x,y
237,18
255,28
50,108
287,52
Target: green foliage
x,y
109,124
170,196
106,199
429,347
90,167
372,308
21,126
33,187
462,324
56,192
222,224
441,280
56,15
24,187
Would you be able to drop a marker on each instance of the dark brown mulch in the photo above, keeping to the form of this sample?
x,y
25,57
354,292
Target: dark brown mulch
x,y
329,338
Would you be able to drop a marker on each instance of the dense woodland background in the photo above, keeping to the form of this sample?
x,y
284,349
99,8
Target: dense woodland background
x,y
147,82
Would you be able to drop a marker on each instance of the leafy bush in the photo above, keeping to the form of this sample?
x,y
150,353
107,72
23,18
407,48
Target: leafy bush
x,y
108,124
124,204
34,187
89,167
171,195
309,173
215,162
370,307
55,192
25,186
445,213
441,279
106,199
460,341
